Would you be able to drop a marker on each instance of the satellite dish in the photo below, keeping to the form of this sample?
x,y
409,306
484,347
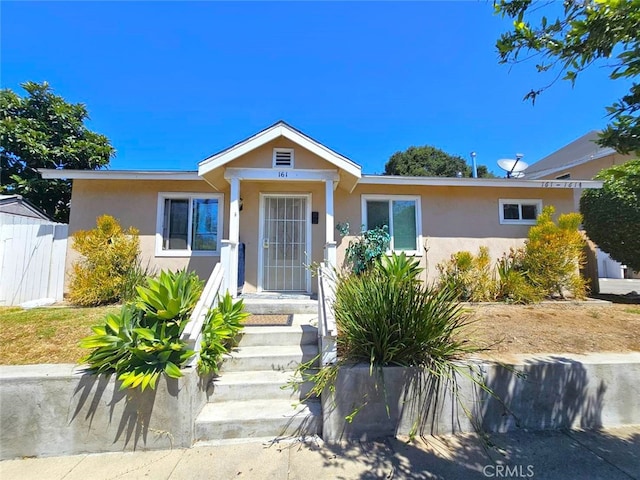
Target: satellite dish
x,y
514,167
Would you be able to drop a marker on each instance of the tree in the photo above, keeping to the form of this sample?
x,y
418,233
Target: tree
x,y
429,161
612,214
42,130
586,32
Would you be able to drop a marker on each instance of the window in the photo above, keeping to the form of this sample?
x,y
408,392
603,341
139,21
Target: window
x,y
400,213
188,224
283,158
519,212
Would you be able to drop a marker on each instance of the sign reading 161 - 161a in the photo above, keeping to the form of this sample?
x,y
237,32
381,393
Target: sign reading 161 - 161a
x,y
556,184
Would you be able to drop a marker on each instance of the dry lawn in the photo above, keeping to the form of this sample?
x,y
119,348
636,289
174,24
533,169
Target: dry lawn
x,y
46,335
555,328
51,335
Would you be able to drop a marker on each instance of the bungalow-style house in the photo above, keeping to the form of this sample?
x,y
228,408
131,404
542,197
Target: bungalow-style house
x,y
281,194
582,159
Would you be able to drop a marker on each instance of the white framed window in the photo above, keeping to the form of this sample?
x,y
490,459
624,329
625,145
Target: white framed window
x,y
519,211
401,213
189,224
283,158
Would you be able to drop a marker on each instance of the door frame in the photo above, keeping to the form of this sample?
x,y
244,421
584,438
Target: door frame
x,y
308,240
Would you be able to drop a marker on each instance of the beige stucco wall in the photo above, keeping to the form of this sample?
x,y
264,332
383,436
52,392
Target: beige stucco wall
x,y
135,203
454,218
262,157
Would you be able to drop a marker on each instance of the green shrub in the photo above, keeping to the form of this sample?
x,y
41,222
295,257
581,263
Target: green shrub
x,y
370,245
470,277
513,284
109,265
612,213
144,339
397,320
220,332
553,254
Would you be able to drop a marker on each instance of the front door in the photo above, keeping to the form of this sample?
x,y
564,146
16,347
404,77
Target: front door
x,y
285,243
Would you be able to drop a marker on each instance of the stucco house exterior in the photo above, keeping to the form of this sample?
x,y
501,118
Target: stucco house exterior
x,y
281,194
582,159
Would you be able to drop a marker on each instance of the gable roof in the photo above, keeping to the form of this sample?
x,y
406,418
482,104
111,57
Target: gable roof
x,y
16,205
580,151
276,130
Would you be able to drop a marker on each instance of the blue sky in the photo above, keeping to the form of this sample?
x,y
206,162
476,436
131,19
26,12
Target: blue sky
x,y
172,82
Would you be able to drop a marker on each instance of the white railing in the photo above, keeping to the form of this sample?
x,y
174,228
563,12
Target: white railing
x,y
327,329
192,333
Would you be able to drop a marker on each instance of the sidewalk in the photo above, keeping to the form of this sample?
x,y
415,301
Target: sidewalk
x,y
609,454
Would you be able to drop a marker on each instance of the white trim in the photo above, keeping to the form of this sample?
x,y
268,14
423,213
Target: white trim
x,y
48,173
587,158
280,129
282,175
519,201
476,182
390,198
159,251
283,150
309,243
329,212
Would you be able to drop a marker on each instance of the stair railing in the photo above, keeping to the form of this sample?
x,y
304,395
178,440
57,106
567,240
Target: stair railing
x,y
327,329
192,333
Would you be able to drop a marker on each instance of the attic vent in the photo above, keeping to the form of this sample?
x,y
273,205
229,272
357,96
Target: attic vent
x,y
283,157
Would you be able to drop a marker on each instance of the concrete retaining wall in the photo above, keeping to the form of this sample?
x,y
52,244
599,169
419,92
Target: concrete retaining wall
x,y
538,393
48,410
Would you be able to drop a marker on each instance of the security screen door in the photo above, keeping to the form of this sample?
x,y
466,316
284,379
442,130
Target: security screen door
x,y
284,243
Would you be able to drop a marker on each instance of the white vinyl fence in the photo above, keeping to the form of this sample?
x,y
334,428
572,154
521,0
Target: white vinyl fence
x,y
32,258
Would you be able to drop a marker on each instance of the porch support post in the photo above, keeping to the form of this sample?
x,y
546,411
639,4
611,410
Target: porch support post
x,y
234,236
330,255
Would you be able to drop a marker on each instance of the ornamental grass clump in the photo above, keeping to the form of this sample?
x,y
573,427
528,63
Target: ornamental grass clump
x,y
387,316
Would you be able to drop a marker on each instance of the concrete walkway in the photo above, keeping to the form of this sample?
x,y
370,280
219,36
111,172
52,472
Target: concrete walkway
x,y
619,286
609,454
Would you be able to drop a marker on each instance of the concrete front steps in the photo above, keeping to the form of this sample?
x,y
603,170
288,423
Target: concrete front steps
x,y
250,399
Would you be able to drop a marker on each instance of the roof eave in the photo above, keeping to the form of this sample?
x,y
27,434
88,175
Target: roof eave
x,y
476,182
118,174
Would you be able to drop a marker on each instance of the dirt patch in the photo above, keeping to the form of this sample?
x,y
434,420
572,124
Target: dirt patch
x,y
555,328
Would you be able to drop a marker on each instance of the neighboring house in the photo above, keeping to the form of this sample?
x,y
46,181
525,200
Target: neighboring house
x,y
281,193
582,159
32,253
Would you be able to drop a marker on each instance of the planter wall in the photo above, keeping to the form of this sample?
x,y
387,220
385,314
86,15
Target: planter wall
x,y
548,392
48,410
